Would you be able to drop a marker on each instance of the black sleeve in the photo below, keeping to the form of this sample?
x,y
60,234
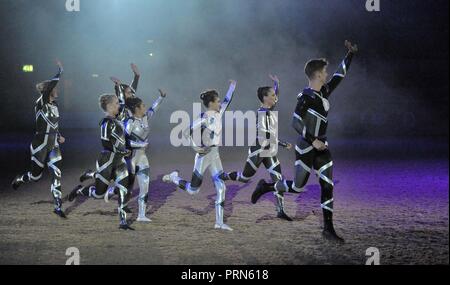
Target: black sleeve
x,y
118,90
50,86
339,74
303,104
135,82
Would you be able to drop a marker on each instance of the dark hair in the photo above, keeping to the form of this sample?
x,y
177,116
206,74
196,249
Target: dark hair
x,y
208,96
133,103
314,65
125,86
105,99
41,86
263,92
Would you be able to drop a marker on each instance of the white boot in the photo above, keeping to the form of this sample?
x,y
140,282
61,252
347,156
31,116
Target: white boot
x,y
142,209
219,219
222,227
171,177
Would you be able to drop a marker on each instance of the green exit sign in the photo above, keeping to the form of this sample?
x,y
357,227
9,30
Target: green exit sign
x,y
28,68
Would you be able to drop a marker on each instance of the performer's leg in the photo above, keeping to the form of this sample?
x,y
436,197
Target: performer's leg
x,y
103,174
121,182
54,166
324,165
304,154
193,187
251,166
273,166
39,154
304,162
131,167
143,178
216,170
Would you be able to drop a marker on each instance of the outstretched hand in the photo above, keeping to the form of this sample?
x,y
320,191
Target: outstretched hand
x,y
162,93
115,80
59,64
274,78
352,48
135,69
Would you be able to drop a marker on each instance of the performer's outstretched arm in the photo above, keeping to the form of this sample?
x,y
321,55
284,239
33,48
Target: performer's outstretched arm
x,y
118,90
137,75
155,106
276,84
48,88
227,100
341,72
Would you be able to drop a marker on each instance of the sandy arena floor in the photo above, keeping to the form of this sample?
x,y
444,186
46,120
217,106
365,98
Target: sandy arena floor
x,y
399,206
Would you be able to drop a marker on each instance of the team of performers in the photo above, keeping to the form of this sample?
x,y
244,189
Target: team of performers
x,y
125,131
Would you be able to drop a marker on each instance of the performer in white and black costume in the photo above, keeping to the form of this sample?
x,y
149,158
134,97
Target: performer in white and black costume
x,y
267,133
310,121
123,92
111,164
205,136
137,130
45,149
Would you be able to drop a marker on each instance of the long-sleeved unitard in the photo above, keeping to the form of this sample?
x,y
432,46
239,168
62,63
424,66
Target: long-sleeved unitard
x,y
137,131
111,165
205,134
267,125
44,147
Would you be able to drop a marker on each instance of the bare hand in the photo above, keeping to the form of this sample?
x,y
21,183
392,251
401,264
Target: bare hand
x,y
162,93
135,69
274,78
288,145
59,64
115,80
61,139
203,150
319,145
352,48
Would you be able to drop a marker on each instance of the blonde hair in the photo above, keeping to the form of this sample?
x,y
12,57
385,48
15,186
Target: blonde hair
x,y
106,99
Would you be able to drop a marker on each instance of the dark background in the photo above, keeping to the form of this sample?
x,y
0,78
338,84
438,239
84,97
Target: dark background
x,y
397,85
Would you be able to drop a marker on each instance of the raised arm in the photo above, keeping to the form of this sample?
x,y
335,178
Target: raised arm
x,y
118,90
341,72
276,84
51,84
155,106
227,100
137,75
303,104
